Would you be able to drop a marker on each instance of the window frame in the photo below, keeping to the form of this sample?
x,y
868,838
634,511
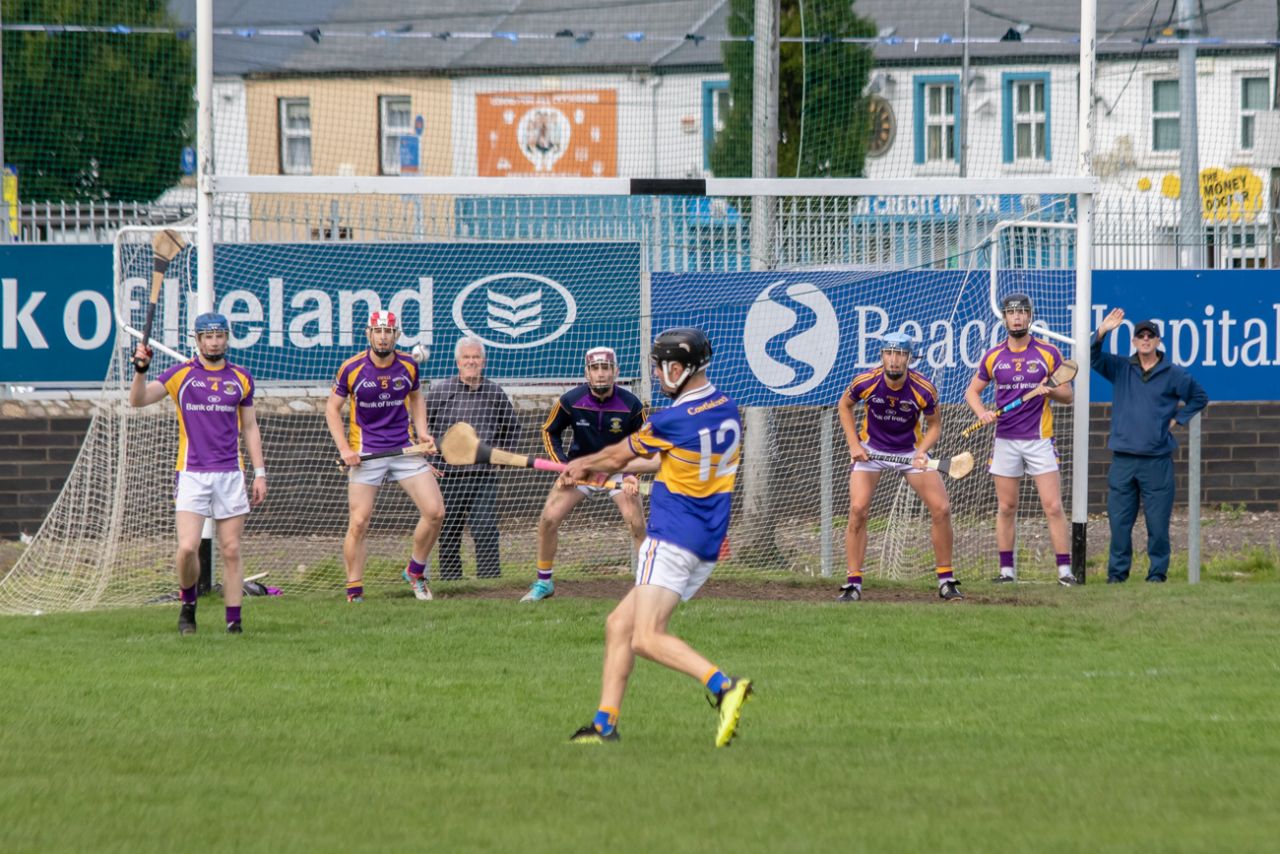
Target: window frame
x,y
921,85
1009,82
711,90
1174,115
286,134
385,132
1251,113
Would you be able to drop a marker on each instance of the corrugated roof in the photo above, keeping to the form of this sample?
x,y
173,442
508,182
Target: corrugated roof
x,y
369,36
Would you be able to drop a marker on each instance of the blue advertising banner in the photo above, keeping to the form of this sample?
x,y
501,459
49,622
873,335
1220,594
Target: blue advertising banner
x,y
787,338
298,310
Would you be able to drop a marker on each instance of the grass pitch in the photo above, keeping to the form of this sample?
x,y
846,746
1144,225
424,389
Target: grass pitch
x,y
1140,717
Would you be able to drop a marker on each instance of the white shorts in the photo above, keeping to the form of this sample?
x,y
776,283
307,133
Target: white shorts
x,y
597,491
672,567
1016,457
217,494
376,472
880,465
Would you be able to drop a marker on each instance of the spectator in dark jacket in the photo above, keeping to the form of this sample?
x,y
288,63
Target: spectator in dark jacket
x,y
471,492
1147,390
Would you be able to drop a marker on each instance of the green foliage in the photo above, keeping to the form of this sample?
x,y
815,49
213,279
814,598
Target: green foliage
x,y
397,725
95,115
822,124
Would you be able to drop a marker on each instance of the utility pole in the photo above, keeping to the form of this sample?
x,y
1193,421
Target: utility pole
x,y
1191,222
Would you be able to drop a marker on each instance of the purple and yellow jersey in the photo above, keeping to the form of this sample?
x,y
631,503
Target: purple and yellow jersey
x,y
1015,372
699,438
208,404
379,412
892,419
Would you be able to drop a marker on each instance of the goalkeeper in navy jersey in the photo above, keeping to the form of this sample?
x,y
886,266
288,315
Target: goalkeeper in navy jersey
x,y
599,413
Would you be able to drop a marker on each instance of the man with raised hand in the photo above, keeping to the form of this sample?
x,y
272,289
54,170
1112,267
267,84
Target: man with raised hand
x,y
213,400
386,410
895,400
694,446
1023,444
599,412
1147,391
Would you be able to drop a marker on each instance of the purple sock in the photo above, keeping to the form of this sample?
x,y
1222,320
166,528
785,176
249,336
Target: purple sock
x,y
1063,559
544,575
416,569
1006,560
188,595
233,613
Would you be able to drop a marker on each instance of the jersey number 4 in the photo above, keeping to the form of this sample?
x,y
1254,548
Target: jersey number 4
x,y
729,432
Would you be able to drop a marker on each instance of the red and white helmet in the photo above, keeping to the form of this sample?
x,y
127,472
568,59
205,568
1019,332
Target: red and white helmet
x,y
602,356
383,320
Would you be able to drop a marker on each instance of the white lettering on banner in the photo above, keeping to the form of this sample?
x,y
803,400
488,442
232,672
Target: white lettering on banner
x,y
423,297
942,353
252,314
102,324
15,318
347,319
275,309
1182,340
865,334
321,316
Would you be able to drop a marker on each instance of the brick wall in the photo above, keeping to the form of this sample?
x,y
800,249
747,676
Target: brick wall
x,y
1241,454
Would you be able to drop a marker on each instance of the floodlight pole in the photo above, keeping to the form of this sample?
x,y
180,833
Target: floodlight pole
x,y
1083,309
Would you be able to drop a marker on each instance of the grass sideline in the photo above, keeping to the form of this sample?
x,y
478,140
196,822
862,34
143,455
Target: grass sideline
x,y
1102,717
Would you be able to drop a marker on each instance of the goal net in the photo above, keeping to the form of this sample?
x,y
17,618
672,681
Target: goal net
x,y
540,279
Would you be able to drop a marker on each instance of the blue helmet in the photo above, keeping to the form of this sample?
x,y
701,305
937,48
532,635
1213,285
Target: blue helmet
x,y
899,341
211,321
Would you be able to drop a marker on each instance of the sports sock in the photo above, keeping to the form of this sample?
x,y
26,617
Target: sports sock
x,y
188,595
233,614
1064,564
944,575
545,569
417,568
1006,563
715,681
354,589
605,720
855,578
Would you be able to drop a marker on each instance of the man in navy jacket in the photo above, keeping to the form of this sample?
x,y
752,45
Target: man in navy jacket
x,y
1148,388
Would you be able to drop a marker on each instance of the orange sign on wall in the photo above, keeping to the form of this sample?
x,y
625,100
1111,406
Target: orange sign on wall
x,y
547,133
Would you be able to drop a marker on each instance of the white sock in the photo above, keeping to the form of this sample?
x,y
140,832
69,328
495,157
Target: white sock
x,y
1007,572
1064,571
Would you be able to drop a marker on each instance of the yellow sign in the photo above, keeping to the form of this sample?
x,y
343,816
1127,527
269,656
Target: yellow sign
x,y
1233,195
11,198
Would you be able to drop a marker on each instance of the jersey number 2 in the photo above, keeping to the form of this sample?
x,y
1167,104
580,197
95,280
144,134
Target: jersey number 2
x,y
730,432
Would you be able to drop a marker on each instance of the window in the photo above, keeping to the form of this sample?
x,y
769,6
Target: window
x,y
295,136
1253,97
1164,116
1026,117
716,103
395,119
935,119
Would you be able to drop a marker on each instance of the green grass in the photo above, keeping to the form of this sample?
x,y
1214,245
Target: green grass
x,y
1103,718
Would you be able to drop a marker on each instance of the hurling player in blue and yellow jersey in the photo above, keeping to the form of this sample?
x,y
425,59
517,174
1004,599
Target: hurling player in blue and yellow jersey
x,y
897,402
1024,437
694,446
380,385
214,403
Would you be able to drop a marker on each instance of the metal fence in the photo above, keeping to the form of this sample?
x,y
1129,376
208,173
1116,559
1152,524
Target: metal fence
x,y
695,233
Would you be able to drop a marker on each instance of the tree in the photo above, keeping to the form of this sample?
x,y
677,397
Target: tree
x,y
91,116
822,124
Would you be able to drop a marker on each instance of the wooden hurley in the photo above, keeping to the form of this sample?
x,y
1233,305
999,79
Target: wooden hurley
x,y
957,467
1064,373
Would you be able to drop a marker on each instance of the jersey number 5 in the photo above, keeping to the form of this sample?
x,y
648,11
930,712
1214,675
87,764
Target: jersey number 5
x,y
730,432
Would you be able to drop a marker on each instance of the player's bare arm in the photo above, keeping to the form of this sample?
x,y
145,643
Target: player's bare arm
x,y
142,392
611,459
333,418
932,433
253,443
973,397
418,412
850,428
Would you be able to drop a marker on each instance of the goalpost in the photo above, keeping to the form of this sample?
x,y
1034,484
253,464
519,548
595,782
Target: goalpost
x,y
542,269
